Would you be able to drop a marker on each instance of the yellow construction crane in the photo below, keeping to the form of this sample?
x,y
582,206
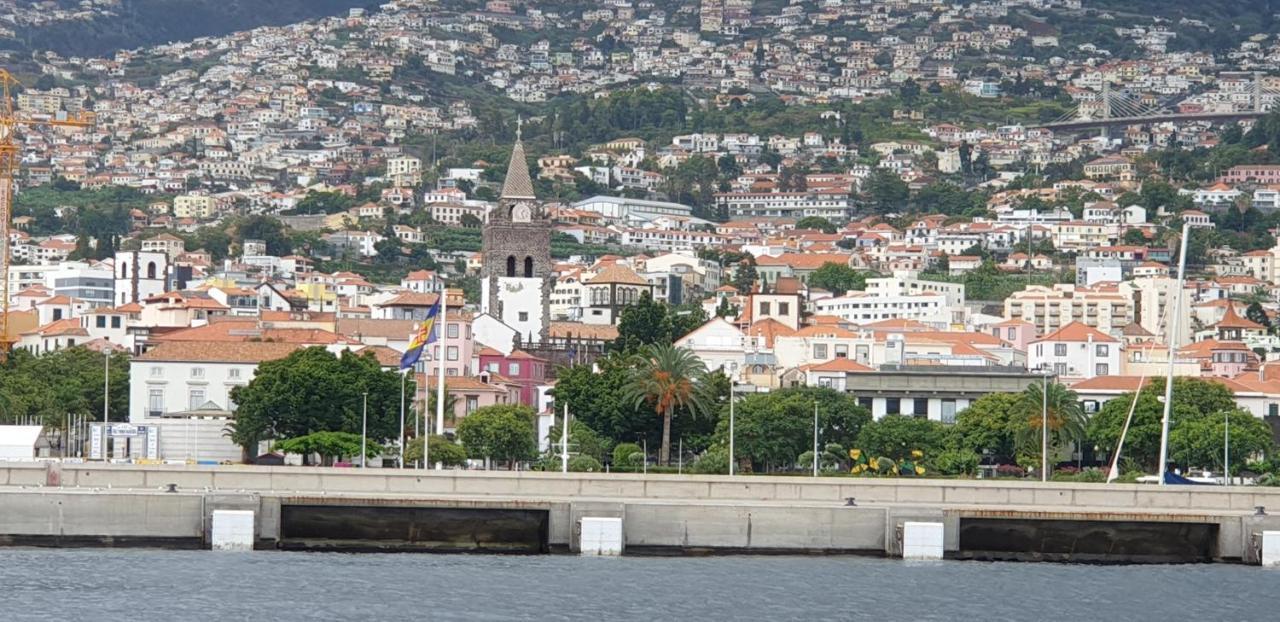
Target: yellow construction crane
x,y
10,154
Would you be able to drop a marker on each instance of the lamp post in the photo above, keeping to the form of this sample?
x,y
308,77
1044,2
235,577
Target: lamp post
x,y
1226,448
364,432
733,389
106,383
1044,422
815,438
404,375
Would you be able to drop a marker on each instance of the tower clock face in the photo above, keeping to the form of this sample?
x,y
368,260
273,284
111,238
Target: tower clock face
x,y
521,213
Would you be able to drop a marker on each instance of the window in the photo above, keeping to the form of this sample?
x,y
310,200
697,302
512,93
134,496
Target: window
x,y
155,402
764,309
842,351
157,372
1101,369
820,351
528,267
491,368
1273,410
892,406
1012,333
948,411
524,316
865,402
1101,349
784,308
473,403
115,321
511,265
1060,369
101,321
453,331
197,372
57,314
195,399
513,369
233,373
452,353
921,407
1059,349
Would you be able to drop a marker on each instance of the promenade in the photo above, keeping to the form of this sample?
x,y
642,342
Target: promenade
x,y
297,507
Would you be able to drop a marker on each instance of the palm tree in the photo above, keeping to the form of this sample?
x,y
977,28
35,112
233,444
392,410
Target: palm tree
x,y
668,377
450,403
1066,420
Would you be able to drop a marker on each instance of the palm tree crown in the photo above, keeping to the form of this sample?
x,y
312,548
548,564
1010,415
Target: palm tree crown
x,y
669,378
1066,420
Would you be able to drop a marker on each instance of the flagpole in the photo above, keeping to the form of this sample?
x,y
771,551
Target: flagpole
x,y
403,376
442,336
564,440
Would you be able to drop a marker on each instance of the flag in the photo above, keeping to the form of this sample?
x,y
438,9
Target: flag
x,y
425,336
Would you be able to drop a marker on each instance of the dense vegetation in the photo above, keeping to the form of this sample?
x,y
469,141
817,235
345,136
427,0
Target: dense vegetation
x,y
143,23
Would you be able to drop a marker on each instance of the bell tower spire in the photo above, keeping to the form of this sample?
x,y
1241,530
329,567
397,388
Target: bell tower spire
x,y
517,186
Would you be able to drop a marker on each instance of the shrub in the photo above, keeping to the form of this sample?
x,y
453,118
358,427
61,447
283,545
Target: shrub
x,y
957,462
714,462
584,464
1010,470
627,455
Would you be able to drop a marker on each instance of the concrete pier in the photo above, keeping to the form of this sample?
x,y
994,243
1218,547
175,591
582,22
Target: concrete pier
x,y
528,512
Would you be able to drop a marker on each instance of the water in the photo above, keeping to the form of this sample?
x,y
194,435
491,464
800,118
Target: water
x,y
144,585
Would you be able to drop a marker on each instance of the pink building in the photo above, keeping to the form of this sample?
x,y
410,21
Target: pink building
x,y
1018,333
459,347
467,394
519,368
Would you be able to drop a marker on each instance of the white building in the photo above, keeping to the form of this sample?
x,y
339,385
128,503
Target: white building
x,y
626,210
864,308
1076,352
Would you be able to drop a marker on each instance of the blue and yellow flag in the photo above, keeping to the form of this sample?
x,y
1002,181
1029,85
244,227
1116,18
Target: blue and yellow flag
x,y
425,336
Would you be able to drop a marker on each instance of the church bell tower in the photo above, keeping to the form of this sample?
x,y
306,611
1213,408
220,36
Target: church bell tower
x,y
515,271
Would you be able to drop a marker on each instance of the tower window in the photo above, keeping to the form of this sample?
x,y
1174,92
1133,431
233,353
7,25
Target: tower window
x,y
151,270
528,267
511,265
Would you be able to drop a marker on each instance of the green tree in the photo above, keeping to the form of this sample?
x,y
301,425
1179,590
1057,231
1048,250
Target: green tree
x,y
884,192
989,425
501,432
817,223
46,388
744,275
441,449
772,429
644,323
312,390
897,436
670,379
1064,419
1256,314
266,228
1198,441
838,278
582,440
330,446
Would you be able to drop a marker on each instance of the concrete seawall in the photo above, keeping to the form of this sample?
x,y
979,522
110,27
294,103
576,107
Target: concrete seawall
x,y
124,504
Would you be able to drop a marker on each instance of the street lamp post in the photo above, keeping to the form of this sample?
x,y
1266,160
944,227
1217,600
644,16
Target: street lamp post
x,y
815,438
733,388
106,383
1226,448
364,432
1044,428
